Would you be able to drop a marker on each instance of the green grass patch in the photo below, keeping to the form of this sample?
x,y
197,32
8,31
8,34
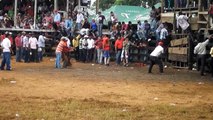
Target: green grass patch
x,y
90,109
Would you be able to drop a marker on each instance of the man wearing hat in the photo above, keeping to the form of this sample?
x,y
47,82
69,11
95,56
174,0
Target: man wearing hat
x,y
6,46
155,57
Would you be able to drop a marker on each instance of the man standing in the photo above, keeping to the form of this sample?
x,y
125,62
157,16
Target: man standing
x,y
68,26
19,45
33,45
101,19
118,49
79,20
6,46
41,46
26,51
57,18
155,57
200,50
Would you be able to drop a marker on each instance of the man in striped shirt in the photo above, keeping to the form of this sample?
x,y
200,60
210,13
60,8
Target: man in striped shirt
x,y
59,50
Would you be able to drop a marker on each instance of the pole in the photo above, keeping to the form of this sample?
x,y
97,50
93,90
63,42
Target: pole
x,y
97,6
15,13
35,13
55,4
79,4
68,5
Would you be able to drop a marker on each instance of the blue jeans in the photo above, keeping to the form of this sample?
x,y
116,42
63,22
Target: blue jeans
x,y
78,26
18,54
26,53
118,57
140,35
100,29
40,54
99,56
58,60
6,60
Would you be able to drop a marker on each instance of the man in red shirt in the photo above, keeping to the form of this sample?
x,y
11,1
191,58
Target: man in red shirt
x,y
106,48
118,48
19,45
99,49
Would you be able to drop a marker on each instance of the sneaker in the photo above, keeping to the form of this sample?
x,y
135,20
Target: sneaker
x,y
10,69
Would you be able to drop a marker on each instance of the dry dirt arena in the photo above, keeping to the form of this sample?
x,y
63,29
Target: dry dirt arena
x,y
86,91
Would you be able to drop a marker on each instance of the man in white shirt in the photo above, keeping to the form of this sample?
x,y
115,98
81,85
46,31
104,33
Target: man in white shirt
x,y
200,51
41,47
164,32
182,21
155,57
33,45
26,50
6,46
79,20
91,49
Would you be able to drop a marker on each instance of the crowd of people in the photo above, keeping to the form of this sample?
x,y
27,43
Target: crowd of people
x,y
86,40
90,43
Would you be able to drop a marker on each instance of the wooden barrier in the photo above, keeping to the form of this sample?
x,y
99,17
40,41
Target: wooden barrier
x,y
178,50
178,42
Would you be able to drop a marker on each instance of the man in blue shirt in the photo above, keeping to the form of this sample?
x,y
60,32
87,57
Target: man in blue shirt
x,y
68,26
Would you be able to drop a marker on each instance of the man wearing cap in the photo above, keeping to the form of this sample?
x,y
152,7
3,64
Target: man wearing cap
x,y
6,46
155,57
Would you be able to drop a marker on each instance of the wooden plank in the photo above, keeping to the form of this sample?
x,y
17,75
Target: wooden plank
x,y
179,58
177,42
167,17
178,50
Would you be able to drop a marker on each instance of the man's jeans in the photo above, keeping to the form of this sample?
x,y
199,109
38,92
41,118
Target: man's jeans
x,y
78,26
100,29
18,54
118,57
99,56
58,60
6,60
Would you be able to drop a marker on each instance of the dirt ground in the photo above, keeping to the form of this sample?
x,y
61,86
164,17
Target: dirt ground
x,y
176,94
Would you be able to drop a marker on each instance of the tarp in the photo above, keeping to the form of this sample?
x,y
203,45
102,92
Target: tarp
x,y
129,13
